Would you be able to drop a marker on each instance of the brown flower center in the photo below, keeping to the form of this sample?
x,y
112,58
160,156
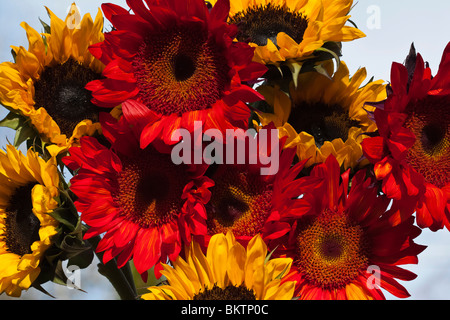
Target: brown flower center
x,y
21,225
258,23
429,120
228,293
60,91
331,251
149,188
324,122
181,69
240,201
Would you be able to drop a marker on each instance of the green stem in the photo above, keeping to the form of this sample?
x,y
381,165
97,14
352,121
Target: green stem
x,y
119,278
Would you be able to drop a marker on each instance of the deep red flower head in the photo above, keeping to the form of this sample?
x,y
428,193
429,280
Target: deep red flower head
x,y
411,155
344,246
253,185
179,60
143,206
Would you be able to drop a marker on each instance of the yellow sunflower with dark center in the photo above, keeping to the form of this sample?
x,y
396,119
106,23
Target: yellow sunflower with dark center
x,y
291,31
46,82
228,271
325,116
28,188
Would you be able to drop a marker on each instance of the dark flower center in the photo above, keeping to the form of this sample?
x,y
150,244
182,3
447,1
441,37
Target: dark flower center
x,y
149,188
429,121
21,225
60,90
240,202
331,250
228,293
432,136
184,67
180,70
258,23
324,122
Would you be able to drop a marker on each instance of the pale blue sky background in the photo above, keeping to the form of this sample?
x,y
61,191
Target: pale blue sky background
x,y
401,22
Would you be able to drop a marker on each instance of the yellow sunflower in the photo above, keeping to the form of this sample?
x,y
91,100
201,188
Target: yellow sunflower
x,y
28,186
325,116
227,272
46,83
291,30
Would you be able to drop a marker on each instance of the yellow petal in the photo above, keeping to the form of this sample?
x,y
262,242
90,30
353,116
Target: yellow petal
x,y
277,291
179,281
278,267
236,264
59,43
197,261
355,292
36,43
217,255
256,255
27,63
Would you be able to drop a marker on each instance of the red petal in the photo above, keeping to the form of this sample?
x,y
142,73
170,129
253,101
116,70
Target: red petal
x,y
374,149
147,249
110,9
220,10
442,81
137,115
399,78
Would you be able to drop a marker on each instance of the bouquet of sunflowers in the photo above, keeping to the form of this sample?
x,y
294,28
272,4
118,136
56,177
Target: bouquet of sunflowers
x,y
218,150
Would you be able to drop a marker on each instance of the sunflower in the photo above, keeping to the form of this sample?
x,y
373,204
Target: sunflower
x,y
345,247
138,199
324,116
291,31
178,59
411,155
229,271
243,200
28,188
46,82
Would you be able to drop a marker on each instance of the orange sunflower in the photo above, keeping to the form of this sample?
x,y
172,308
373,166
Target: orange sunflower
x,y
142,204
411,155
178,59
345,247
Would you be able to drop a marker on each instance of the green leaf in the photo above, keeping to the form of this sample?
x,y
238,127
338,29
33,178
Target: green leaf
x,y
282,272
61,215
12,121
72,246
82,259
269,255
46,26
14,55
23,133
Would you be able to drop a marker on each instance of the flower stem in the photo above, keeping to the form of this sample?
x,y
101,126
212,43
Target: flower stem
x,y
120,278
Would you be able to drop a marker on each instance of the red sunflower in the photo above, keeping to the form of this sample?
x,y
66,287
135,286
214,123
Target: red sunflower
x,y
243,200
345,247
142,204
411,155
179,59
